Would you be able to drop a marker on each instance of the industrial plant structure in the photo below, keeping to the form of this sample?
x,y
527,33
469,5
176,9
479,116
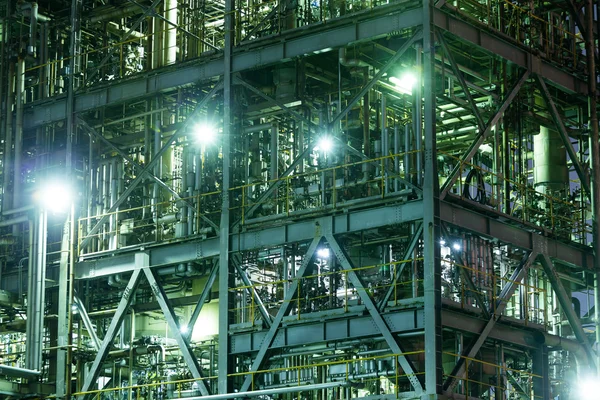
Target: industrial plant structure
x,y
299,199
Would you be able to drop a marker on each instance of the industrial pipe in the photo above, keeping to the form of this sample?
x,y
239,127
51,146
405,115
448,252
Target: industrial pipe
x,y
350,62
258,393
18,372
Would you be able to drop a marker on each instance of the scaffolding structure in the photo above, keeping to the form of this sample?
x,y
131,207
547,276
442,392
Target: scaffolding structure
x,y
299,199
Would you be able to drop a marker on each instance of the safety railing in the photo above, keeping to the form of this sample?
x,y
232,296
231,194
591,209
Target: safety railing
x,y
528,302
327,290
545,32
490,378
316,190
564,217
382,370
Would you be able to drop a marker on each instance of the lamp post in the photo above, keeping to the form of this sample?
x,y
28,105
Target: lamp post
x,y
53,197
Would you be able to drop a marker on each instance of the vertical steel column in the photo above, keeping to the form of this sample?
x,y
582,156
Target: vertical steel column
x,y
223,360
63,312
431,223
73,69
595,155
36,295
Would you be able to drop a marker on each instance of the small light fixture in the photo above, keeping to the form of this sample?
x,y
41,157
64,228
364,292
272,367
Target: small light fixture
x,y
405,83
325,144
442,242
323,252
55,196
456,246
205,133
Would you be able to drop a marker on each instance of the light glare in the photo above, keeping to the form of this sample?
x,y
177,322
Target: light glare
x,y
205,133
588,388
325,144
405,83
323,252
54,196
456,246
442,242
183,328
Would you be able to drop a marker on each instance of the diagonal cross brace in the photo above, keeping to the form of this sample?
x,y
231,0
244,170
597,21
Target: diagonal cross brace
x,y
150,165
481,136
461,80
129,32
202,300
407,254
581,171
244,277
85,318
285,307
138,167
184,346
267,193
471,350
406,365
390,63
567,307
111,333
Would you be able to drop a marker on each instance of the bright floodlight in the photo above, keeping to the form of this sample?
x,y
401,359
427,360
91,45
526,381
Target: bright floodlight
x,y
183,328
205,133
405,83
323,252
456,246
325,144
54,196
588,388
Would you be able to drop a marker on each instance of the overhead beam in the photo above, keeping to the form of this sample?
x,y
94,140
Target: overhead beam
x,y
378,23
384,329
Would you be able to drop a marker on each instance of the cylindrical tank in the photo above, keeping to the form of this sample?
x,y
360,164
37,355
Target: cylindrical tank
x,y
550,161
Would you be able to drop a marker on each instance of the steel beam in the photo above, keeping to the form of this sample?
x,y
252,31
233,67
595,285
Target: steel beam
x,y
135,25
271,100
482,135
125,195
113,328
252,239
564,135
496,313
494,43
267,193
172,322
283,311
391,62
461,80
567,307
377,23
259,303
505,230
384,329
407,255
85,318
138,167
202,300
